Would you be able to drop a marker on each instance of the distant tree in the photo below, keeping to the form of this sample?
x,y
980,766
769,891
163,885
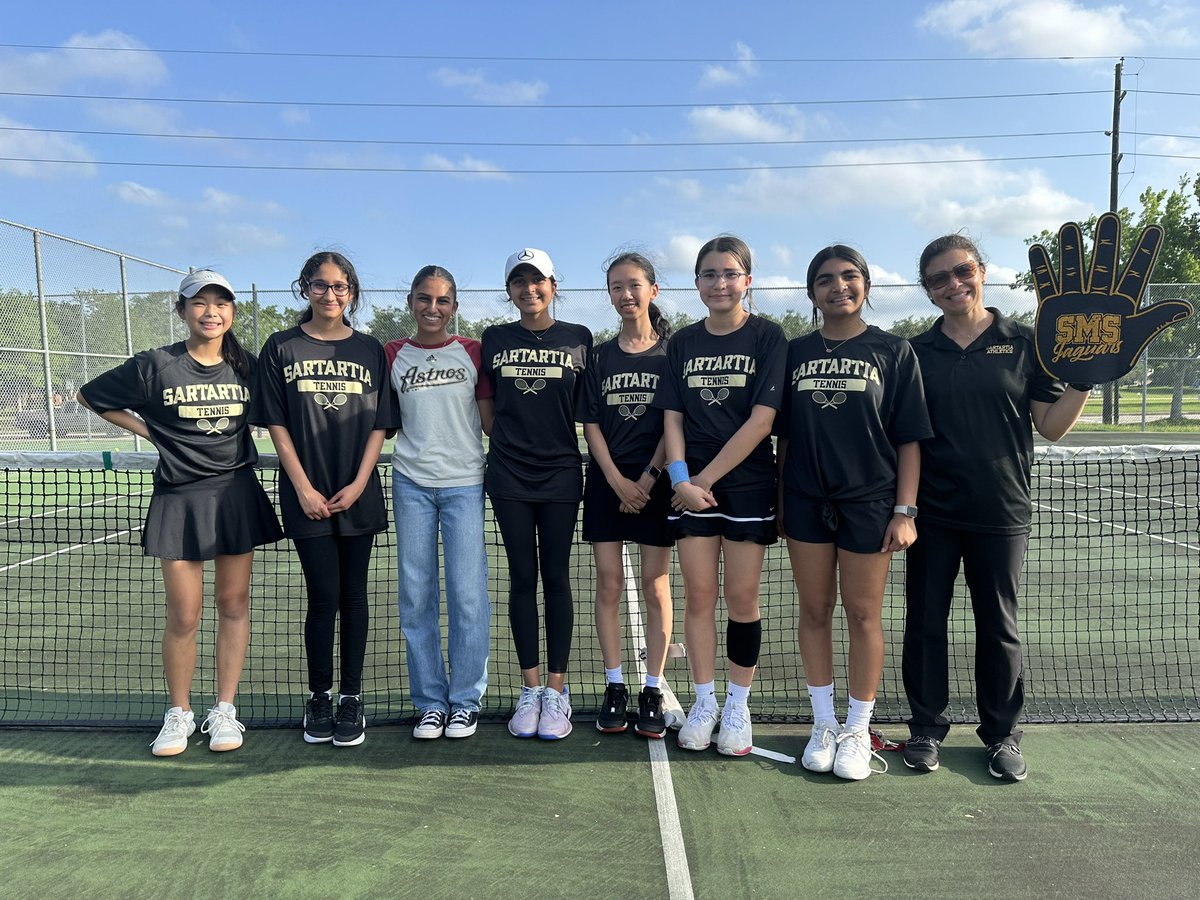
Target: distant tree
x,y
911,326
391,323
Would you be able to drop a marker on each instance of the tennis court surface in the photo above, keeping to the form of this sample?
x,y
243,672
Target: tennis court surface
x,y
1111,622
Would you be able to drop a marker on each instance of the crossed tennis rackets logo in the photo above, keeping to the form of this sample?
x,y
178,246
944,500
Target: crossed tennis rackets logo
x,y
210,427
714,399
826,402
328,403
631,415
526,387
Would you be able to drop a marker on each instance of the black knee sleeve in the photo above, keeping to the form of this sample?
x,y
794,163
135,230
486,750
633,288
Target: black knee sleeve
x,y
743,641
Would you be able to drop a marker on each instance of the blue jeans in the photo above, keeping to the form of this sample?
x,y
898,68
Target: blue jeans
x,y
459,511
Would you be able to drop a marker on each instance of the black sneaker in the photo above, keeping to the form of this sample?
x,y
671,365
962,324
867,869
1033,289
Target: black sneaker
x,y
463,723
650,721
1006,762
350,724
921,753
318,719
611,719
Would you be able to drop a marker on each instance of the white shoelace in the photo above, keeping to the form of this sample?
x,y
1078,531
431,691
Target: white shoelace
x,y
174,727
218,720
735,716
860,743
703,712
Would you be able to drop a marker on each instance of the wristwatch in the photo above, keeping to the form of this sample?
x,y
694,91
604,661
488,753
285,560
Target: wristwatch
x,y
653,471
910,511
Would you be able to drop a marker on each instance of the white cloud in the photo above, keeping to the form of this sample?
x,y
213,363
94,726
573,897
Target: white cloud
x,y
1058,27
778,281
294,115
690,190
33,145
218,201
745,123
966,190
51,70
881,276
467,166
243,238
744,68
136,116
475,84
782,254
139,195
681,252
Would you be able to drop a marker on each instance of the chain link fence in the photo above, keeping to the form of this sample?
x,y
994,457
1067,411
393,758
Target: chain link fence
x,y
73,310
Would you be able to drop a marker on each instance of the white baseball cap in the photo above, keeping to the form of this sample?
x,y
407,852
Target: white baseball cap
x,y
528,256
201,278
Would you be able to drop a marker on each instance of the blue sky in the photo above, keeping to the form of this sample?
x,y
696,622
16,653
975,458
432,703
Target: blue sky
x,y
470,206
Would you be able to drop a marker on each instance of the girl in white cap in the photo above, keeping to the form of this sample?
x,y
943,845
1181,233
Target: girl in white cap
x,y
193,398
535,480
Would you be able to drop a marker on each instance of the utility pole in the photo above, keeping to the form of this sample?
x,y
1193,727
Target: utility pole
x,y
1112,393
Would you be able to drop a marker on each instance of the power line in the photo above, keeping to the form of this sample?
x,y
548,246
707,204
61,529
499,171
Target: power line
x,y
708,60
558,144
379,104
494,173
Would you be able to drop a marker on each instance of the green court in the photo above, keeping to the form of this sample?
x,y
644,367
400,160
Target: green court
x,y
1108,811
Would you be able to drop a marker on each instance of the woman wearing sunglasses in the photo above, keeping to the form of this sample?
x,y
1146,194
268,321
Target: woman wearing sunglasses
x,y
985,389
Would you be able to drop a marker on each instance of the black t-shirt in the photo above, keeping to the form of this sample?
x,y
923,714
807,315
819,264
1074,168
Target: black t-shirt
x,y
330,395
975,470
846,412
715,381
618,395
533,453
196,414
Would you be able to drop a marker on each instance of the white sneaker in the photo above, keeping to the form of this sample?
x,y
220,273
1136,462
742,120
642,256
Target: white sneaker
x,y
735,737
822,746
696,733
222,727
555,722
672,709
176,729
524,721
853,759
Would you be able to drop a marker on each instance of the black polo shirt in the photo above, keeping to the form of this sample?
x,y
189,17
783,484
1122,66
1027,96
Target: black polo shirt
x,y
975,470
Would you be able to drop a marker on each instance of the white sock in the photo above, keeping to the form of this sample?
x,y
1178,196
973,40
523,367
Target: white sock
x,y
613,676
342,698
653,681
821,696
859,715
738,694
224,707
708,689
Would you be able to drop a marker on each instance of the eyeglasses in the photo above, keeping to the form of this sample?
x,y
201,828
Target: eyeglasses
x,y
963,272
709,277
320,288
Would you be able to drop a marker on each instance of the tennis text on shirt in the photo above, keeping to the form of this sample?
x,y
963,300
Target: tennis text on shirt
x,y
328,380
209,404
537,363
834,375
623,388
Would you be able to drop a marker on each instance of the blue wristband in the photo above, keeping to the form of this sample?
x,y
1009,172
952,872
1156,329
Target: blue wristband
x,y
678,471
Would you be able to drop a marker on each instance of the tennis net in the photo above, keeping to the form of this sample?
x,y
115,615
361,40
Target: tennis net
x,y
1110,605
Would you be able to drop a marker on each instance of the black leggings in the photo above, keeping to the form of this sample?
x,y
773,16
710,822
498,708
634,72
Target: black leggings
x,y
335,570
539,533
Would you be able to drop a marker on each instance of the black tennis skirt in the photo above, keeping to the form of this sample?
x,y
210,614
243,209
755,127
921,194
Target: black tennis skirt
x,y
223,515
603,520
738,516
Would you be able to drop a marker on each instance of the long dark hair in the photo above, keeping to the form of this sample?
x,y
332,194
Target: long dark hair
x,y
660,323
314,262
231,349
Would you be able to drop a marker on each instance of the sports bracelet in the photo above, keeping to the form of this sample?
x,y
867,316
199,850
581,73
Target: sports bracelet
x,y
678,472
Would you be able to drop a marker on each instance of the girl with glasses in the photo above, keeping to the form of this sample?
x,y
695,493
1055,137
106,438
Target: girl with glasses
x,y
722,388
191,401
325,399
849,429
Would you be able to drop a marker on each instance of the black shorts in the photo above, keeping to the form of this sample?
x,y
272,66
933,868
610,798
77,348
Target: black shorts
x,y
604,521
854,525
738,516
223,515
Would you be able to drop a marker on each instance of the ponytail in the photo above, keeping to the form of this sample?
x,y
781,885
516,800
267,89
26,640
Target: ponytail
x,y
660,323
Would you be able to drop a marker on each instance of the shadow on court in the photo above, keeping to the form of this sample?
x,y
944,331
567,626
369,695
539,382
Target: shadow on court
x,y
1107,811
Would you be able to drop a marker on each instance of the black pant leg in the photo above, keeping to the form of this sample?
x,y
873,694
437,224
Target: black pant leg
x,y
556,532
518,530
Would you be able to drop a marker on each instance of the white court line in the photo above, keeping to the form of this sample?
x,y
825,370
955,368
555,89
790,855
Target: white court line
x,y
68,509
98,540
679,874
1116,527
1093,487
